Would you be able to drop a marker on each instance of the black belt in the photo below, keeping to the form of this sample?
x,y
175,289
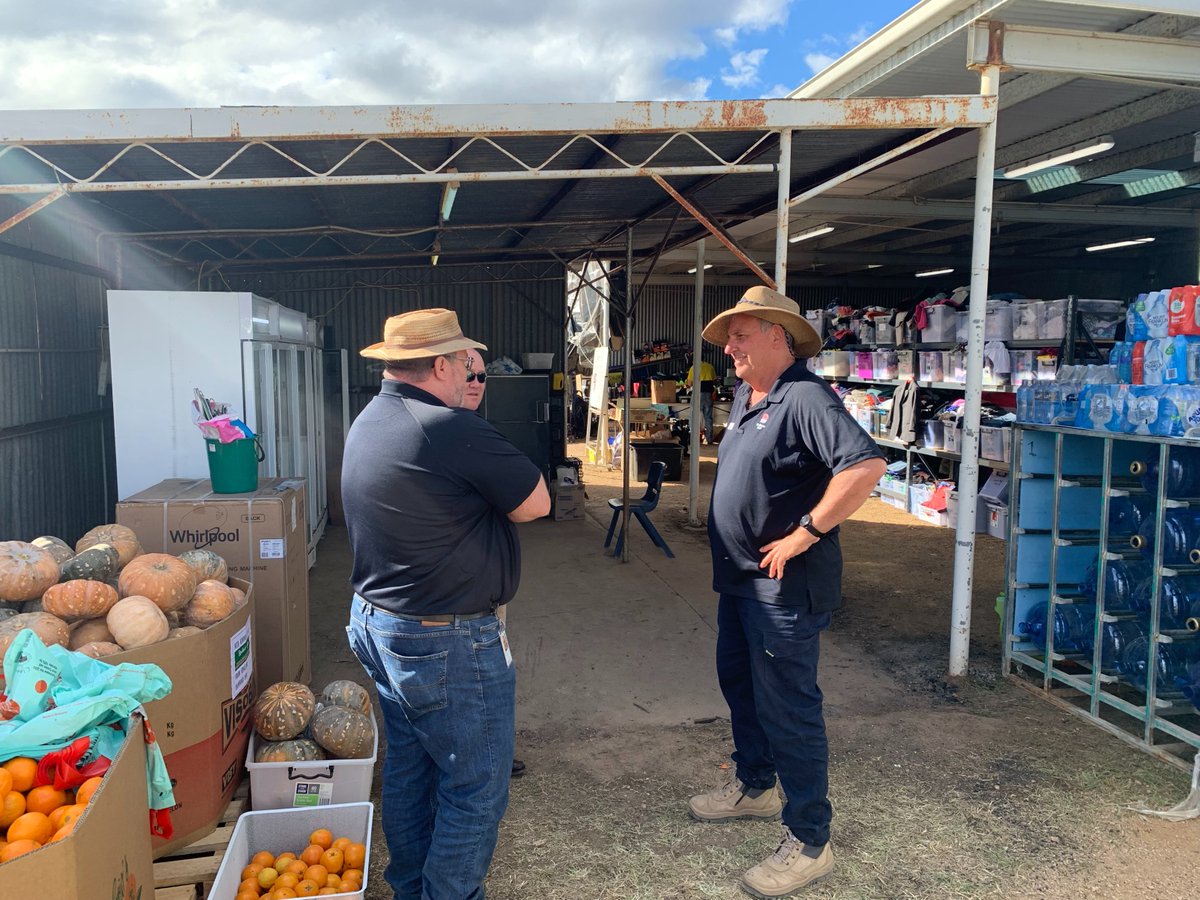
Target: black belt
x,y
448,618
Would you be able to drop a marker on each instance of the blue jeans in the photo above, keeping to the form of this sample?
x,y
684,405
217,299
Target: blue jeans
x,y
767,667
706,410
448,699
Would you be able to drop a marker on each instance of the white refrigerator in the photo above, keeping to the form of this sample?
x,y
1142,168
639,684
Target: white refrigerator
x,y
262,358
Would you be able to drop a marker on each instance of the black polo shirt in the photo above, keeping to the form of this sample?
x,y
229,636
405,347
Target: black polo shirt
x,y
774,463
427,491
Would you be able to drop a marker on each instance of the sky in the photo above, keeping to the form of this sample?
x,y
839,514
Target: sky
x,y
185,53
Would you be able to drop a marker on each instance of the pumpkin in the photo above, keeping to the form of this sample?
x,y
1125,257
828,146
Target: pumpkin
x,y
239,597
211,603
137,621
25,570
184,631
165,579
346,693
282,711
288,751
50,629
206,564
344,733
90,631
99,563
79,599
97,649
56,547
121,538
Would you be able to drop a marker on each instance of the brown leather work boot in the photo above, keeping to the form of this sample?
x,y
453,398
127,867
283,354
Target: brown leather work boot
x,y
787,869
730,802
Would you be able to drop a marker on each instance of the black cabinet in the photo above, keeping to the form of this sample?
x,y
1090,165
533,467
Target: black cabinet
x,y
520,408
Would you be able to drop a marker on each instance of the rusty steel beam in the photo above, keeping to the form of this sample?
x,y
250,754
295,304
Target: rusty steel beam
x,y
719,233
18,218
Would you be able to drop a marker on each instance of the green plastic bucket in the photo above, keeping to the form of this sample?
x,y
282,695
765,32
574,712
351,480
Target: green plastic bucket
x,y
233,467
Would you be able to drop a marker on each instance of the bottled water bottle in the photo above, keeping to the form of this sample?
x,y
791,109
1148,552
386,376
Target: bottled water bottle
x,y
1180,601
1171,663
1126,515
1074,627
1025,402
1126,585
1181,537
1183,472
1115,638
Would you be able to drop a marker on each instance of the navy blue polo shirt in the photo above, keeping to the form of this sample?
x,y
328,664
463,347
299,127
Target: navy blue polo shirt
x,y
774,462
427,491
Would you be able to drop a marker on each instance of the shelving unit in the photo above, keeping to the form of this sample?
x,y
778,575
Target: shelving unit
x,y
1062,485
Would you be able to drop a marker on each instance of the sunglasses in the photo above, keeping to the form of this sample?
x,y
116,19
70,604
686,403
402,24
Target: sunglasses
x,y
481,377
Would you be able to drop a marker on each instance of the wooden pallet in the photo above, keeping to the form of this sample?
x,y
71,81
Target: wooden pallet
x,y
188,873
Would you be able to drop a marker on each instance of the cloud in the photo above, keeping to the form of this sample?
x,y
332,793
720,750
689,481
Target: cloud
x,y
743,68
819,61
860,34
146,53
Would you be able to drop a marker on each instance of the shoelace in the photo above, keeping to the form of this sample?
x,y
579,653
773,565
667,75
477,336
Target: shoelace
x,y
789,844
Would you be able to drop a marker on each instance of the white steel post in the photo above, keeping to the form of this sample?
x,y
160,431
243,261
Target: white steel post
x,y
628,345
782,208
968,472
697,346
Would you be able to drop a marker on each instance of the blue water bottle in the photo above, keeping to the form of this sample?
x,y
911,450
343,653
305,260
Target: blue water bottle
x,y
1181,537
1183,472
1115,638
1180,601
1074,627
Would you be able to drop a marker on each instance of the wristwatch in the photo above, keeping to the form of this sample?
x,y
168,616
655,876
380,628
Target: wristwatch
x,y
806,523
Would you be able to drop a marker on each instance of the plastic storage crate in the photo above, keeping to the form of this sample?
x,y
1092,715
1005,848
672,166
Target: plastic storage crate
x,y
280,830
282,785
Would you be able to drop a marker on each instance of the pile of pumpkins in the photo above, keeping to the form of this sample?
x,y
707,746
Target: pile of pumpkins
x,y
295,725
105,595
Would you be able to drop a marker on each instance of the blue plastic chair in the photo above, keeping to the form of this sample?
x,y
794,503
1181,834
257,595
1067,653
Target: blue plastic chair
x,y
640,510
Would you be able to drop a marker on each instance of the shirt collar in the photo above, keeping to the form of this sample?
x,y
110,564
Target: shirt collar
x,y
794,372
408,392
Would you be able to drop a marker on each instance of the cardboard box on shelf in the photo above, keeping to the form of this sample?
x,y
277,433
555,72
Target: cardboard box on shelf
x,y
262,536
662,390
108,853
203,725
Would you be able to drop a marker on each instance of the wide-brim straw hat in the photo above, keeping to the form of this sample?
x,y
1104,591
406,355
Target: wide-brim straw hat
x,y
764,303
423,332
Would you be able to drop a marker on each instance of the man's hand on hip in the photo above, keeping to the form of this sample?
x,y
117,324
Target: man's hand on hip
x,y
777,553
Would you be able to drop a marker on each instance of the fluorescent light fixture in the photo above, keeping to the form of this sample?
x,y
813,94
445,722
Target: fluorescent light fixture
x,y
811,233
1115,244
934,272
692,270
449,192
874,265
1059,157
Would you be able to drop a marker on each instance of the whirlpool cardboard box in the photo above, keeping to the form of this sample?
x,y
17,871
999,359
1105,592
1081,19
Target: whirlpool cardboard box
x,y
203,725
108,854
262,536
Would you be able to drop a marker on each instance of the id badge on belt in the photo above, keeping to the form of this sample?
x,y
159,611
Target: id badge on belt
x,y
505,647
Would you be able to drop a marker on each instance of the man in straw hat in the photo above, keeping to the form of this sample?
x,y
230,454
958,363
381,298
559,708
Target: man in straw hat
x,y
431,492
792,466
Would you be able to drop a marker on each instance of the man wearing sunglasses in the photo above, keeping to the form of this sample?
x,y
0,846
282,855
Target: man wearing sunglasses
x,y
431,494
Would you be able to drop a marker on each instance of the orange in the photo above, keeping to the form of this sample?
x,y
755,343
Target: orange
x,y
333,881
322,837
45,798
316,873
296,867
84,793
286,880
62,833
65,815
264,858
281,862
11,807
250,885
356,856
333,859
246,895
252,870
34,826
341,843
6,781
283,894
267,877
17,848
23,770
307,888
311,855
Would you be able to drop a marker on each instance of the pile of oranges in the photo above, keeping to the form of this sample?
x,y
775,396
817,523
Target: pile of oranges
x,y
33,816
326,866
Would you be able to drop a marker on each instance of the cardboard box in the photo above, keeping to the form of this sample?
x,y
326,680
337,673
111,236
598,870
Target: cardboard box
x,y
568,501
108,854
262,536
662,391
203,725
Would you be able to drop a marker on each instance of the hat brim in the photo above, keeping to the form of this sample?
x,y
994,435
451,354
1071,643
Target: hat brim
x,y
382,351
807,341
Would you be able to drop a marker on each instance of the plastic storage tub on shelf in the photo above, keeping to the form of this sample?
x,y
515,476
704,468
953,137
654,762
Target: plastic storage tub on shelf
x,y
537,361
280,785
940,324
281,830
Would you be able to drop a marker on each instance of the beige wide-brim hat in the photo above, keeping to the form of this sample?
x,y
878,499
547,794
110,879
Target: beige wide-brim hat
x,y
423,332
764,303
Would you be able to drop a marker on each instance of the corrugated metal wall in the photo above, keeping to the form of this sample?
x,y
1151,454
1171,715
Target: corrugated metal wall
x,y
514,310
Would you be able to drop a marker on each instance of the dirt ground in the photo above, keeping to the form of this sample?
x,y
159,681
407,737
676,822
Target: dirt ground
x,y
941,789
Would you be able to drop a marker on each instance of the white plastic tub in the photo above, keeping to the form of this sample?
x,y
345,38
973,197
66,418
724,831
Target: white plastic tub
x,y
282,785
537,360
281,830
